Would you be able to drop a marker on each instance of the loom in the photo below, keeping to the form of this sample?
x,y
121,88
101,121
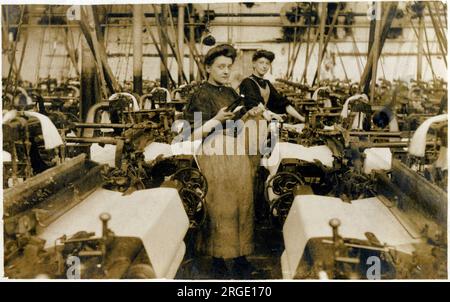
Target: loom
x,y
64,213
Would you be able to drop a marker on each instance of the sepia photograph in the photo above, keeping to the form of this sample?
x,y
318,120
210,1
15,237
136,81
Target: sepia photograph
x,y
224,140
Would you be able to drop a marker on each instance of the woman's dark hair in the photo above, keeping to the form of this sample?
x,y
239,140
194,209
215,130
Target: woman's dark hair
x,y
225,50
261,53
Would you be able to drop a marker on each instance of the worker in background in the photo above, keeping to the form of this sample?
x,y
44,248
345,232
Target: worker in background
x,y
260,92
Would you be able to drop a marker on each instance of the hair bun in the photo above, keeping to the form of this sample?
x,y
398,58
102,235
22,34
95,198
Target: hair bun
x,y
220,50
262,53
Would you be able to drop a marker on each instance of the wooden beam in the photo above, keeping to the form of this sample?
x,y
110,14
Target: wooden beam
x,y
441,25
13,51
180,35
428,52
387,19
68,43
420,50
430,196
138,16
440,38
293,61
342,62
376,46
359,62
22,55
174,49
328,38
291,72
323,15
5,38
155,43
163,45
96,44
17,198
196,56
111,81
109,77
303,79
89,92
39,57
85,29
372,28
309,55
294,42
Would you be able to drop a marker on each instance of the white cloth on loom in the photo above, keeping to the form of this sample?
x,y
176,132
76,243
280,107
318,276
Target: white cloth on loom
x,y
442,162
147,104
105,119
156,216
103,155
155,149
135,102
316,93
393,127
294,127
344,112
327,102
52,138
418,141
168,97
152,151
9,115
294,151
6,156
377,159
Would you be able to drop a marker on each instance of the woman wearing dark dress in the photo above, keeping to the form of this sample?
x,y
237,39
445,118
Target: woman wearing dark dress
x,y
229,230
260,92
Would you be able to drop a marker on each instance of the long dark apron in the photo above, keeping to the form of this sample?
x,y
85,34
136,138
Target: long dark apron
x,y
228,232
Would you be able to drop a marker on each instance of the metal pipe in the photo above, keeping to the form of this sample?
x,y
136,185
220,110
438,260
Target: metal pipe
x,y
92,140
387,144
374,133
102,125
213,23
238,15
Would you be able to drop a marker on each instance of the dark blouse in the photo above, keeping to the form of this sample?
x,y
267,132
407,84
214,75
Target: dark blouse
x,y
276,103
209,99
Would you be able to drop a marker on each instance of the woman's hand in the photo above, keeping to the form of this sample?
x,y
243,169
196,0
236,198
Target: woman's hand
x,y
269,115
224,115
255,111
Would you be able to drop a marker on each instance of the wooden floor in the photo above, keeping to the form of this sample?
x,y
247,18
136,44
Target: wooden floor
x,y
266,259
